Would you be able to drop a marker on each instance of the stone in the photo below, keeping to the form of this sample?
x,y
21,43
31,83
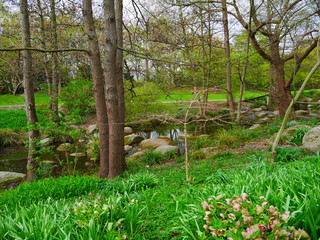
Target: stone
x,y
45,141
127,148
293,123
261,114
302,112
257,109
167,148
49,162
153,143
11,177
64,147
264,107
128,130
78,154
271,116
89,163
264,120
255,126
136,156
92,128
315,115
311,140
276,113
132,139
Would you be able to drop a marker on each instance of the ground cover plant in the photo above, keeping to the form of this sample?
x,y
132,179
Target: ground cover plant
x,y
41,98
157,203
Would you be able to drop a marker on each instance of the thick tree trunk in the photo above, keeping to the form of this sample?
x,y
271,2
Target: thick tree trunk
x,y
98,87
119,74
33,133
227,55
115,125
55,76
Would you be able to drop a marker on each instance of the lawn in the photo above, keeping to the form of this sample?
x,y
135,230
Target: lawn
x,y
8,100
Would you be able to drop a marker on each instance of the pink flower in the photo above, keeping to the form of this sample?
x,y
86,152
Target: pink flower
x,y
80,198
230,238
95,212
285,216
90,194
244,196
247,220
263,228
236,207
206,227
228,201
264,204
204,205
232,216
222,216
272,209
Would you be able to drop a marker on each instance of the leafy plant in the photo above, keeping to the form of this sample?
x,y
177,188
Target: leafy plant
x,y
151,157
298,136
202,142
288,154
247,218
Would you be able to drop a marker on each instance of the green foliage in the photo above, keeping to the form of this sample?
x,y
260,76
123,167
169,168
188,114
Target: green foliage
x,y
247,218
197,154
63,187
9,136
77,98
151,157
298,136
288,154
202,142
235,137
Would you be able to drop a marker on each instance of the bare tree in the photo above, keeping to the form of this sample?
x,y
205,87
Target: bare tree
x,y
98,86
33,133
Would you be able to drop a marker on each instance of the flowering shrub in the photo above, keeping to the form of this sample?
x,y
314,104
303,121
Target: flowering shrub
x,y
240,218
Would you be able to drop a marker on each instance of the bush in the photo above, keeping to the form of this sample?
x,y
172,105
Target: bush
x,y
78,99
245,218
298,136
288,154
202,142
150,157
9,136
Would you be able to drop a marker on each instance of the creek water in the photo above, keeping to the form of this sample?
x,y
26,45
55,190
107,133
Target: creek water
x,y
14,158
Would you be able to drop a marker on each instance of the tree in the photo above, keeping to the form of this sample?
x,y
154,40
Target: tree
x,y
116,131
33,133
286,29
98,87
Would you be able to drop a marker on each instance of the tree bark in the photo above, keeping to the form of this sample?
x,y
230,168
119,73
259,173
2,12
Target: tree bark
x,y
32,119
55,77
115,125
119,75
227,55
98,87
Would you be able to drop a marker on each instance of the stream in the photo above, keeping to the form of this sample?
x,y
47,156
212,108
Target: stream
x,y
14,158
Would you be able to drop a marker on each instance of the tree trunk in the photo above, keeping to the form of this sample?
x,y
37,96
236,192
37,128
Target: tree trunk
x,y
115,126
32,119
55,76
98,87
227,55
119,75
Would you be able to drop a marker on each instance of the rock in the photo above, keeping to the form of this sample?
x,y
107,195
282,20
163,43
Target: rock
x,y
45,141
264,120
261,114
255,126
167,148
271,116
135,157
78,154
311,140
276,113
188,137
257,109
302,112
289,132
89,163
7,178
127,148
128,130
132,139
293,123
49,162
315,115
264,107
64,147
92,128
153,143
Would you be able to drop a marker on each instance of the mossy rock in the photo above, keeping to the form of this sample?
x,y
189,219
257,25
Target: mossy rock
x,y
153,143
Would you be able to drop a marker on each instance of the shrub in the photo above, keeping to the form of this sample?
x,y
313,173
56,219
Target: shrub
x,y
245,218
288,154
298,136
9,136
77,98
150,157
197,155
202,142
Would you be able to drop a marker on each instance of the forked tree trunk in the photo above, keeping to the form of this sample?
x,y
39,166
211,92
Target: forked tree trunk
x,y
33,133
116,157
119,74
98,87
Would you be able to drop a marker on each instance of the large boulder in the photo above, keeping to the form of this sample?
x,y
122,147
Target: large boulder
x,y
92,128
127,130
167,148
153,143
311,140
132,139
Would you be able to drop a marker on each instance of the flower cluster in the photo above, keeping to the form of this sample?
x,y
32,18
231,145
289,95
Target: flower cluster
x,y
240,218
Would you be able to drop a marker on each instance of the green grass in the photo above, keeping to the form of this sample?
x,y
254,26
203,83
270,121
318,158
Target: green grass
x,y
9,100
